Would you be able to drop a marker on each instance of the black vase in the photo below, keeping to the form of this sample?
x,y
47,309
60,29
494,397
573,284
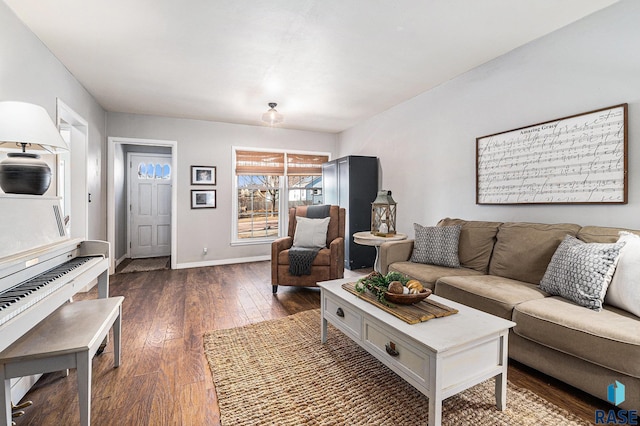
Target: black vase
x,y
24,173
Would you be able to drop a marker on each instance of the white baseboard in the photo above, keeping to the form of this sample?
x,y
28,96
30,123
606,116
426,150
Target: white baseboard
x,y
120,260
222,262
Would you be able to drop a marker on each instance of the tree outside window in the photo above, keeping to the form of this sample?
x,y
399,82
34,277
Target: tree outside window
x,y
258,206
261,178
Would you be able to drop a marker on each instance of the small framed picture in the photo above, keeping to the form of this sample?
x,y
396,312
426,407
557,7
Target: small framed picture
x,y
203,175
203,199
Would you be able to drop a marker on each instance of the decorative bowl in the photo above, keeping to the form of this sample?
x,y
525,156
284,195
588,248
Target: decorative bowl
x,y
407,299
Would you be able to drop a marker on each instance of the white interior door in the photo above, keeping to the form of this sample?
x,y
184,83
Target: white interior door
x,y
150,177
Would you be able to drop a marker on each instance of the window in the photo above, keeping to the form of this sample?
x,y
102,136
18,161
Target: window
x,y
261,180
154,171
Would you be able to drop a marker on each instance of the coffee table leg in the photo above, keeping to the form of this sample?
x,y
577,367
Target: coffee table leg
x,y
501,379
323,330
435,392
435,410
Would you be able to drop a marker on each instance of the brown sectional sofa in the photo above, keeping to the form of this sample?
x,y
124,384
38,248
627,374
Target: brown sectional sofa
x,y
501,267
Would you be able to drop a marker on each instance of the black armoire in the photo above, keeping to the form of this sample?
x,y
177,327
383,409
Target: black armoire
x,y
352,182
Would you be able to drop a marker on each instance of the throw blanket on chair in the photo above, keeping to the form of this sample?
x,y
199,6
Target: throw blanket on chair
x,y
301,258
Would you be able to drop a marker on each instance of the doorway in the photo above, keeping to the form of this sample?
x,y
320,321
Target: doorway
x,y
149,178
118,224
72,170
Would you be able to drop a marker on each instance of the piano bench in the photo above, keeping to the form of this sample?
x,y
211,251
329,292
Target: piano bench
x,y
68,338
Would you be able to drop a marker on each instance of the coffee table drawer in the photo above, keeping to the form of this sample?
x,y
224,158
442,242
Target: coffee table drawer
x,y
343,316
400,353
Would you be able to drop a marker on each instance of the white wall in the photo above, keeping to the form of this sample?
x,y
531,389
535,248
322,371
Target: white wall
x,y
591,64
206,143
30,73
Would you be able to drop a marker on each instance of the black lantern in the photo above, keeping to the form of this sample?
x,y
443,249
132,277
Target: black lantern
x,y
383,214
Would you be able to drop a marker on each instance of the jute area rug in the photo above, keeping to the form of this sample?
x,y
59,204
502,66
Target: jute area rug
x,y
148,264
278,373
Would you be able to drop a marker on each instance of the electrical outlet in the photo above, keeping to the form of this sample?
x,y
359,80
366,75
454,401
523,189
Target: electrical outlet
x,y
204,250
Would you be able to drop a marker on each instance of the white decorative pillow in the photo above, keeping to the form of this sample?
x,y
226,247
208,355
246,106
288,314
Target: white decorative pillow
x,y
311,232
436,245
624,289
581,272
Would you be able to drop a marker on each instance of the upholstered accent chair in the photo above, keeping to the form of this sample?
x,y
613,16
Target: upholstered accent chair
x,y
327,265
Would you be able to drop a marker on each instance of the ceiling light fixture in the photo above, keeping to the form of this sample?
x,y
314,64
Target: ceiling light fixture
x,y
272,117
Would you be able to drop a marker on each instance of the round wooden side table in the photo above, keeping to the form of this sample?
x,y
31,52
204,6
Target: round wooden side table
x,y
366,238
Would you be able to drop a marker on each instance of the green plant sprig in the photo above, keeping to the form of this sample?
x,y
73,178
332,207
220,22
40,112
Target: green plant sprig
x,y
378,284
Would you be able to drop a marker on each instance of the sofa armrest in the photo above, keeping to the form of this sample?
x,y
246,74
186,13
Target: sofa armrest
x,y
336,264
277,246
394,251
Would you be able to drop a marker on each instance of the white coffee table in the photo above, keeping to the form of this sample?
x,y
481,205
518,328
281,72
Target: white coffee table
x,y
440,357
366,238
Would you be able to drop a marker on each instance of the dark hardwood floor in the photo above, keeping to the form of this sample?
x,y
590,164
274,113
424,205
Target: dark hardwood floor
x,y
164,378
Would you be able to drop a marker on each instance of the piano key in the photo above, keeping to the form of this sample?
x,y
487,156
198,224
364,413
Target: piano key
x,y
21,297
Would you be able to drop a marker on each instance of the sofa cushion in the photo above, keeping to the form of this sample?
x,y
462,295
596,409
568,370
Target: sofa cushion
x,y
523,250
610,338
624,289
488,293
436,245
581,272
476,242
601,234
428,274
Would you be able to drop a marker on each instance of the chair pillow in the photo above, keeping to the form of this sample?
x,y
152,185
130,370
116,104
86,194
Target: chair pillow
x,y
581,272
624,289
311,232
436,245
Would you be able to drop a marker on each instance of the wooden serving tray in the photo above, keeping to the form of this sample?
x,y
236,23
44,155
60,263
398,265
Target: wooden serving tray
x,y
411,314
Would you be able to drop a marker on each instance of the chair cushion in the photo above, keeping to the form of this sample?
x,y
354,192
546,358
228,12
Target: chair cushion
x,y
311,232
610,338
322,258
436,245
581,271
488,293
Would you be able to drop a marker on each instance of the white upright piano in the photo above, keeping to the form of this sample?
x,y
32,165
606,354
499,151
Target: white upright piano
x,y
41,268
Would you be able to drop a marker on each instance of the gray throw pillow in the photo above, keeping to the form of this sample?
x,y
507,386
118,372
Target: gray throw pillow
x,y
436,245
581,272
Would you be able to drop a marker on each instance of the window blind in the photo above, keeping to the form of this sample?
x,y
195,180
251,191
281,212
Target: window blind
x,y
259,163
273,163
305,165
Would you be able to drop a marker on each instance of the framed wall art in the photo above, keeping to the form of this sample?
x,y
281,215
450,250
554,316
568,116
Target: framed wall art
x,y
203,175
203,199
580,159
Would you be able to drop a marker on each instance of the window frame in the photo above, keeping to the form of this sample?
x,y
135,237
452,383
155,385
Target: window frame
x,y
283,199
